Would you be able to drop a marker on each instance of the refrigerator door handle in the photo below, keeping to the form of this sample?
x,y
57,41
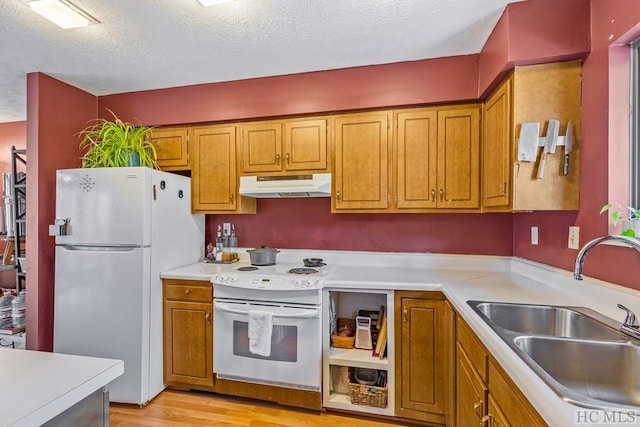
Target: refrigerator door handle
x,y
120,248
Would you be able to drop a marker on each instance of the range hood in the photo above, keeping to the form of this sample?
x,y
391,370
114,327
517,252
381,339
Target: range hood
x,y
310,185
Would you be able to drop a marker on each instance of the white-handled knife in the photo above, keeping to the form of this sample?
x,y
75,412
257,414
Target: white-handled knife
x,y
549,145
568,146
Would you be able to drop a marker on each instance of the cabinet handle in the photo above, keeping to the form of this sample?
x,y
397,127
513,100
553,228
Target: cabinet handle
x,y
278,159
208,317
231,197
433,195
288,158
187,293
338,196
477,408
486,421
405,313
504,186
441,194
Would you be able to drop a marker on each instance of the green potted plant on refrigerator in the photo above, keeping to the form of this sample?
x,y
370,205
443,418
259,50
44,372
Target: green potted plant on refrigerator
x,y
115,143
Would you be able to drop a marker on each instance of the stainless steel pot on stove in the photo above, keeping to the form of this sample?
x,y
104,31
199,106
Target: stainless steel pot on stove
x,y
263,256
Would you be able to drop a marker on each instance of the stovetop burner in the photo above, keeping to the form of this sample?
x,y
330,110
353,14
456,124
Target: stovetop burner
x,y
248,268
303,270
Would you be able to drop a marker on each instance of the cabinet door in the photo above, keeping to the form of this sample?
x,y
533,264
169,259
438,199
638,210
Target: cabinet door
x,y
214,179
513,406
496,143
424,349
261,147
459,158
495,414
305,145
171,148
416,159
471,392
361,178
188,336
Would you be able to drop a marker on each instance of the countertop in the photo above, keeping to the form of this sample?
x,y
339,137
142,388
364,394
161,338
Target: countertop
x,y
36,386
464,278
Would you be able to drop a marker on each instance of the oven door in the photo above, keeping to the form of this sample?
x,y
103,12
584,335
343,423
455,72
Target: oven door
x,y
295,360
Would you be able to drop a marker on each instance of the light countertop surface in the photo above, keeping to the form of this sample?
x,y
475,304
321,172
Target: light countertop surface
x,y
465,278
36,386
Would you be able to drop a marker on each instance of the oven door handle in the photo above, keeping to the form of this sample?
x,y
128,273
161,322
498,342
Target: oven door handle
x,y
308,312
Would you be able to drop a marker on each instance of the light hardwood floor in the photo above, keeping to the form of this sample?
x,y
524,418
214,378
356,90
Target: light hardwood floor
x,y
174,408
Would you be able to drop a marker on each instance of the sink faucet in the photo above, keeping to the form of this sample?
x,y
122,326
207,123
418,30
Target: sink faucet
x,y
629,326
577,272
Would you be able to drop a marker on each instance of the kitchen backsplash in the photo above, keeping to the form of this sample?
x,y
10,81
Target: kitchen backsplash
x,y
309,223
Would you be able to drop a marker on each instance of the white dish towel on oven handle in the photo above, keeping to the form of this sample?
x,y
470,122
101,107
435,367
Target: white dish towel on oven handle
x,y
260,326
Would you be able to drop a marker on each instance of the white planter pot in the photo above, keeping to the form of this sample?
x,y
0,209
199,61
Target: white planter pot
x,y
632,224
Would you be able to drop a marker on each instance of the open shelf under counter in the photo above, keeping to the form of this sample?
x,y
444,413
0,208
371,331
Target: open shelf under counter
x,y
343,402
356,358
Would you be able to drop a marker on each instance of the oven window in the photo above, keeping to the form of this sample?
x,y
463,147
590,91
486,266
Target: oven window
x,y
284,342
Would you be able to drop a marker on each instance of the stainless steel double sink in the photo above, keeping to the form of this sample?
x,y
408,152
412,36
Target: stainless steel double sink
x,y
578,352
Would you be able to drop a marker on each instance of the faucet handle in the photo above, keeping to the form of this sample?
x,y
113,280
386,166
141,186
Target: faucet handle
x,y
631,317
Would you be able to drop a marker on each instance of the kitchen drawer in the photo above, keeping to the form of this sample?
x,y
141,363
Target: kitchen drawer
x,y
474,349
182,290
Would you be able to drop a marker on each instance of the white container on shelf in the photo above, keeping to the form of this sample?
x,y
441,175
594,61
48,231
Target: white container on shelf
x,y
18,310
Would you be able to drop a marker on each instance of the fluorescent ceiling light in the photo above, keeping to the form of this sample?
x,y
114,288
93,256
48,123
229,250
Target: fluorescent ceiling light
x,y
63,13
206,3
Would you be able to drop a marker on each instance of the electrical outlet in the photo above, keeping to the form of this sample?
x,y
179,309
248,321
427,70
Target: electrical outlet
x,y
226,229
534,235
574,237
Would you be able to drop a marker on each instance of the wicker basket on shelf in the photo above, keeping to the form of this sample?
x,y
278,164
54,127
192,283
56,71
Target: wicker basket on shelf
x,y
343,342
368,395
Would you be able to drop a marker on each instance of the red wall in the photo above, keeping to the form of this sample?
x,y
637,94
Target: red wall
x,y
612,20
56,112
534,32
408,83
308,224
12,134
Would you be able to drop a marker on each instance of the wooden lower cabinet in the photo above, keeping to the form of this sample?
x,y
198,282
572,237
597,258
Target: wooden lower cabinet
x,y
424,341
188,334
471,392
485,395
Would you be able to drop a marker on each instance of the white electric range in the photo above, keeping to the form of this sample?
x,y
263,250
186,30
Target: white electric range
x,y
282,282
291,294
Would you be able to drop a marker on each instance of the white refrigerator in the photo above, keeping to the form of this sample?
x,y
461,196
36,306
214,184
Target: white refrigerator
x,y
124,227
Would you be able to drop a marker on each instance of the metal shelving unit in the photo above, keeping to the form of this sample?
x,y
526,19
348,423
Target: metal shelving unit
x,y
19,181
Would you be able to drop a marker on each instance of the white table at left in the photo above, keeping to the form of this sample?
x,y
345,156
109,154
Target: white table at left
x,y
37,386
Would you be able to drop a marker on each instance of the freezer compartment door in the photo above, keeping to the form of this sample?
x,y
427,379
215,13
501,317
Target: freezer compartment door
x,y
102,310
105,206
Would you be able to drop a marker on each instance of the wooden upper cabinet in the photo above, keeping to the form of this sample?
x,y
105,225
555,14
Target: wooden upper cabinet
x,y
496,160
172,148
459,157
305,145
214,179
361,166
281,146
416,158
533,93
261,147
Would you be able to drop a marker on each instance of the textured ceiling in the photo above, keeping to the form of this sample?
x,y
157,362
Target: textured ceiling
x,y
151,44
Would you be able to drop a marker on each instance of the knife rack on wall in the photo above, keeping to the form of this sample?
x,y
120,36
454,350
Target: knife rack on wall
x,y
529,144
